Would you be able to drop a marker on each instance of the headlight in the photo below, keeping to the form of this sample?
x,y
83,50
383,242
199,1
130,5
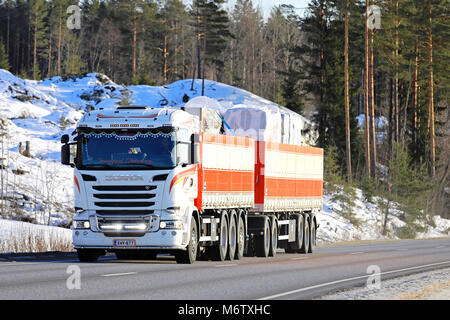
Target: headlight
x,y
173,210
172,224
81,224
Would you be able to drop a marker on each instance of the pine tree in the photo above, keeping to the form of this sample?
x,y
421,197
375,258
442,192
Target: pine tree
x,y
38,15
4,61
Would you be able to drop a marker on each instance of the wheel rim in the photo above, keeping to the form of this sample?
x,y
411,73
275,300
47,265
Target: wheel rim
x,y
274,238
232,236
241,238
224,239
300,232
194,242
306,237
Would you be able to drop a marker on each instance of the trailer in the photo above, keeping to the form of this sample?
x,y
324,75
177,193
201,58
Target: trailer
x,y
150,181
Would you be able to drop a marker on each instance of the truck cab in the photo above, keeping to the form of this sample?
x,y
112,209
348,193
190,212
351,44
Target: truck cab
x,y
134,181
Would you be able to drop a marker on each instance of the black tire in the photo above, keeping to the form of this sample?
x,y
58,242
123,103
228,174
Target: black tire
x,y
240,239
306,237
312,238
263,241
88,255
190,254
273,238
219,251
232,239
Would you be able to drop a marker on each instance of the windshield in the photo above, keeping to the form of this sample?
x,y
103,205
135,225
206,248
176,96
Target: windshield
x,y
127,150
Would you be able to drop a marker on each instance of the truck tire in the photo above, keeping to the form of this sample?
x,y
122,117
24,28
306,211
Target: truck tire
x,y
240,239
273,237
312,238
190,254
232,239
306,236
219,251
263,241
88,255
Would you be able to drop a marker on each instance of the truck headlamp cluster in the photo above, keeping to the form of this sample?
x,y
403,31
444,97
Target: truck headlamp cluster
x,y
81,224
171,224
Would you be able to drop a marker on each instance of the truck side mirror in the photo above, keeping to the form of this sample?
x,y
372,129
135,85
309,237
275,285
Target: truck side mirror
x,y
194,150
65,138
65,154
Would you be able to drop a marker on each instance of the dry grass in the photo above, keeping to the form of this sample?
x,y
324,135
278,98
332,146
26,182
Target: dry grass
x,y
35,241
440,290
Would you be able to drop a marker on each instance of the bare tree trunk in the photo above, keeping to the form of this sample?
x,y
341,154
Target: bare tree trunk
x,y
366,94
49,70
59,41
372,109
347,102
133,67
397,111
415,88
35,42
431,94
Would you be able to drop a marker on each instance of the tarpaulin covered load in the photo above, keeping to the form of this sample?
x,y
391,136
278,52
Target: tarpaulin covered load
x,y
209,111
296,128
259,123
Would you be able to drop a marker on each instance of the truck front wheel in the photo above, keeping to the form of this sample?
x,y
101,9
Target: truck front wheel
x,y
190,254
89,255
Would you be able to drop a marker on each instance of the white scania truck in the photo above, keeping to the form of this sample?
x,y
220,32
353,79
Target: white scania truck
x,y
151,181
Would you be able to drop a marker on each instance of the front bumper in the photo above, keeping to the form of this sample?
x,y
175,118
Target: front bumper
x,y
162,239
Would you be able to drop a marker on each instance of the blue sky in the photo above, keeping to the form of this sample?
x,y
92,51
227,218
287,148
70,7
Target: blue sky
x,y
268,4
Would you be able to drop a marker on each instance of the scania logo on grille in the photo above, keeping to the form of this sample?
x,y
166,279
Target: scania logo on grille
x,y
124,178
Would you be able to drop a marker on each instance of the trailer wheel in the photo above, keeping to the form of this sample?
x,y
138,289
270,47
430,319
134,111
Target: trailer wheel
x,y
88,255
240,239
306,236
312,238
232,239
273,238
263,241
219,251
190,254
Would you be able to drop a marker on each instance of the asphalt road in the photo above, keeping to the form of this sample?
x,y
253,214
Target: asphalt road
x,y
287,276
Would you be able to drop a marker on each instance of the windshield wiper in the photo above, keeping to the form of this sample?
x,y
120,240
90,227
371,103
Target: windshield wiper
x,y
99,165
150,166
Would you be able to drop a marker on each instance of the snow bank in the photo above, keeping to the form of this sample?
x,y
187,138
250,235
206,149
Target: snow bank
x,y
41,111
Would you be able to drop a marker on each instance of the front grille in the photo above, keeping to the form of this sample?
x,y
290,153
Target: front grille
x,y
123,212
124,188
125,196
124,204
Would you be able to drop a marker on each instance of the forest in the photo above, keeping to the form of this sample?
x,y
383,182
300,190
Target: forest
x,y
371,74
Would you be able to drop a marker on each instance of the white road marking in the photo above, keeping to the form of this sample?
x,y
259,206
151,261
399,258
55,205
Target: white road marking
x,y
360,252
225,265
300,258
348,279
118,274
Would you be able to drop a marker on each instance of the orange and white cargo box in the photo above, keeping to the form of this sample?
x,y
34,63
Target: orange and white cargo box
x,y
226,172
288,177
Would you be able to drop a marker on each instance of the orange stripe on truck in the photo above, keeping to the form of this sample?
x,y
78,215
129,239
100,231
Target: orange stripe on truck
x,y
180,175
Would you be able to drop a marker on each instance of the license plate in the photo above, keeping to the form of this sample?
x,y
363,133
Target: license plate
x,y
124,243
